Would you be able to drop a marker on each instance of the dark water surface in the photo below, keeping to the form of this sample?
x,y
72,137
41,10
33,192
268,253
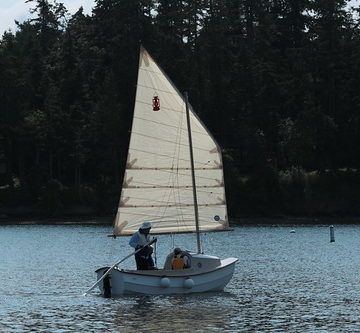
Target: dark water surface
x,y
283,282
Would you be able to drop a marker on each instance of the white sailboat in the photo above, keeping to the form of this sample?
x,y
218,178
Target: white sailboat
x,y
173,179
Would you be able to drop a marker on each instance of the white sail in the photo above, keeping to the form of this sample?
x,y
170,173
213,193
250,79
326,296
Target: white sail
x,y
157,183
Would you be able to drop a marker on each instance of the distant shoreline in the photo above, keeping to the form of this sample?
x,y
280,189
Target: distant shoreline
x,y
295,220
89,220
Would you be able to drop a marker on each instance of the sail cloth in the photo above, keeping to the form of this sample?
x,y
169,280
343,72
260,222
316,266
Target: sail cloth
x,y
157,184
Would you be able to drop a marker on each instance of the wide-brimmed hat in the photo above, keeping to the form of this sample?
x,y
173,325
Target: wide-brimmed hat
x,y
146,225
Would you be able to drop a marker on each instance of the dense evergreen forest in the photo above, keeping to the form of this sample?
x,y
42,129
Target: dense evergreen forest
x,y
276,82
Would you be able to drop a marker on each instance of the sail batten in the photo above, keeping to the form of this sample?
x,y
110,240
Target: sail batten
x,y
166,156
173,186
158,178
175,205
172,168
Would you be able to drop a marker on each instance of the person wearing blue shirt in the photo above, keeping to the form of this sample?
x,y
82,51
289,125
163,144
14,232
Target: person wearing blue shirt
x,y
138,240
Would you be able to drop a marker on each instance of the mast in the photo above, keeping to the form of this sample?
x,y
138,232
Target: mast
x,y
196,210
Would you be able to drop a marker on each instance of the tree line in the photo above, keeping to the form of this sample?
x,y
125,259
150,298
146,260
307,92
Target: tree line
x,y
275,81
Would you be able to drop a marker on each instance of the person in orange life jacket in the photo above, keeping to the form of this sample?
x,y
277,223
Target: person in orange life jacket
x,y
143,258
180,260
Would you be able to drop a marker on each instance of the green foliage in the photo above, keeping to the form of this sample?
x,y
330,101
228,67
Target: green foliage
x,y
295,192
276,82
51,197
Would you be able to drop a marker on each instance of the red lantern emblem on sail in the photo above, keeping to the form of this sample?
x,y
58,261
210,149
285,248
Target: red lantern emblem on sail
x,y
156,103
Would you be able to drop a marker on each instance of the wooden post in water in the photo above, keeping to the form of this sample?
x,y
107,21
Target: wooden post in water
x,y
332,234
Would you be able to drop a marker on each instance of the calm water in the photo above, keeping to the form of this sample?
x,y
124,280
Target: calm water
x,y
283,282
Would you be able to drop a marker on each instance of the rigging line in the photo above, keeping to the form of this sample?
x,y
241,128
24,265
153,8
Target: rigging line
x,y
164,80
178,187
188,222
172,168
196,124
138,217
170,205
150,171
172,241
171,171
157,73
155,253
180,136
153,153
204,133
157,80
152,79
170,226
179,209
213,184
169,223
148,74
205,195
157,218
167,116
164,140
206,163
198,127
168,232
215,188
163,107
142,185
154,200
163,155
214,181
173,177
156,85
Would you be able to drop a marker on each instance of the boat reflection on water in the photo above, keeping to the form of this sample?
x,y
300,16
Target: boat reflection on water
x,y
178,313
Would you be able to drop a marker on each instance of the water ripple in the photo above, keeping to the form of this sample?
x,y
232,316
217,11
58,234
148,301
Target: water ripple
x,y
284,282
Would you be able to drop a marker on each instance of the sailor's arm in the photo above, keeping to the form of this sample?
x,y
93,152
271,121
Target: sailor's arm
x,y
134,240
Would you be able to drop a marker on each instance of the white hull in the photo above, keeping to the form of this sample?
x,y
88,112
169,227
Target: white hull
x,y
165,281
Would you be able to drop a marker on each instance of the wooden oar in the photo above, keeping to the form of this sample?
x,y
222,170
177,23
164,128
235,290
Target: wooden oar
x,y
117,263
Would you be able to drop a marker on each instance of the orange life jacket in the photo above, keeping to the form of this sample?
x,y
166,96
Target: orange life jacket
x,y
178,263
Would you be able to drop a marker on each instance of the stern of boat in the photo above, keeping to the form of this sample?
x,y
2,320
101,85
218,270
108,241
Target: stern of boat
x,y
112,284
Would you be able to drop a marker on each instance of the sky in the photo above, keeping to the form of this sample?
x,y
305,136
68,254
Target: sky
x,y
11,10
